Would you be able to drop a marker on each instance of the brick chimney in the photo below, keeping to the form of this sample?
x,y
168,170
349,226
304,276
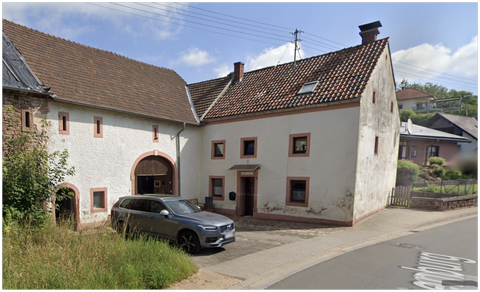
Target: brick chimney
x,y
238,71
369,32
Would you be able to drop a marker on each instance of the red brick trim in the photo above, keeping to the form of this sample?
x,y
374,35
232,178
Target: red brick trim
x,y
210,188
63,123
76,203
240,202
289,192
154,153
291,145
155,137
98,127
242,147
213,149
105,207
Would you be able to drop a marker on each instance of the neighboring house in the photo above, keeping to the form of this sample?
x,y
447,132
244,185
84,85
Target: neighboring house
x,y
314,141
414,99
119,119
459,125
418,144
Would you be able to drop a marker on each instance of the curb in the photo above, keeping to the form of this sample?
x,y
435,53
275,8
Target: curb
x,y
266,279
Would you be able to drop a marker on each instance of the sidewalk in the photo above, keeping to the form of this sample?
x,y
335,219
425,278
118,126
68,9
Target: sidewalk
x,y
264,268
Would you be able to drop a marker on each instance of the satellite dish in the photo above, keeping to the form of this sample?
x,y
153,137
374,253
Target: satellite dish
x,y
409,126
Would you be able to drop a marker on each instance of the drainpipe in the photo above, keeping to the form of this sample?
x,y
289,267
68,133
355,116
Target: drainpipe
x,y
178,155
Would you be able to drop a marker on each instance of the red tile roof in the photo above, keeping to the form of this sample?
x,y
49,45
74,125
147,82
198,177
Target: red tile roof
x,y
342,76
411,93
82,74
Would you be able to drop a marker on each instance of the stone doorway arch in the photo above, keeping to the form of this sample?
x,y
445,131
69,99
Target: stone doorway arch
x,y
154,172
68,207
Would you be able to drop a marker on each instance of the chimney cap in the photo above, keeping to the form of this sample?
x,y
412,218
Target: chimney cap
x,y
369,26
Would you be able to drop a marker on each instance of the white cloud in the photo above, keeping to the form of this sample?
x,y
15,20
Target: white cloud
x,y
54,17
272,57
428,63
194,57
222,70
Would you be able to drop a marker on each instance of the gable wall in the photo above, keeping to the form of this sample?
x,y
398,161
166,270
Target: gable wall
x,y
376,173
330,165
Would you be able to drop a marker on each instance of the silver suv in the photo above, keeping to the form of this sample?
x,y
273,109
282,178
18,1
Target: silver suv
x,y
173,218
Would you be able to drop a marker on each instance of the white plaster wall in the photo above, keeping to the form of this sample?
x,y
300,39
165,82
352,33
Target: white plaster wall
x,y
376,174
330,166
411,104
107,162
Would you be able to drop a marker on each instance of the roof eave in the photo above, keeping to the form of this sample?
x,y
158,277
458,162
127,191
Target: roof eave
x,y
56,98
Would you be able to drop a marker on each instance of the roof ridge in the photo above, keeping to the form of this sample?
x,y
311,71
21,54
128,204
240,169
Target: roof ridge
x,y
86,46
316,56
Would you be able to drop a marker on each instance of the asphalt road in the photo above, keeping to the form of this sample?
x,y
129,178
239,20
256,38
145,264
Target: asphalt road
x,y
441,256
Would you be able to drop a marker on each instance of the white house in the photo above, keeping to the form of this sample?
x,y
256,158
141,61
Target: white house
x,y
314,141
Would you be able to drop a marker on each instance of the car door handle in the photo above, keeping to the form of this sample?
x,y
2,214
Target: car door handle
x,y
151,217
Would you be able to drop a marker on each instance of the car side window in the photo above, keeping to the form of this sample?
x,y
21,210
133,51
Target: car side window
x,y
143,205
127,204
157,207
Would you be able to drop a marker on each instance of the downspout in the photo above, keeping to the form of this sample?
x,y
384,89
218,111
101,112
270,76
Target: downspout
x,y
178,155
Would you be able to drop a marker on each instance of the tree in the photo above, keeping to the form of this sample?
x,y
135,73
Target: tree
x,y
31,175
469,100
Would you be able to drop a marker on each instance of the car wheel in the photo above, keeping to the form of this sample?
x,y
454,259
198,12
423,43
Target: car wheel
x,y
189,242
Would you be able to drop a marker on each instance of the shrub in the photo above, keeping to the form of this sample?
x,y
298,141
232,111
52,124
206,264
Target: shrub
x,y
436,161
469,168
407,173
452,174
30,175
437,170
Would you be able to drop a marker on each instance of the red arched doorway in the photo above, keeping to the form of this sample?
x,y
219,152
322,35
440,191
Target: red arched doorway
x,y
68,208
154,173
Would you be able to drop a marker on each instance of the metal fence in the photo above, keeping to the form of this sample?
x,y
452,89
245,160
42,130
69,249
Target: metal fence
x,y
446,188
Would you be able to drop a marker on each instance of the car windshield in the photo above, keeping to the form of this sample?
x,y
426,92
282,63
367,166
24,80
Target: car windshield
x,y
182,207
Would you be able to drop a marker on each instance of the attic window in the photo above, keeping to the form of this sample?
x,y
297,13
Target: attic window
x,y
308,87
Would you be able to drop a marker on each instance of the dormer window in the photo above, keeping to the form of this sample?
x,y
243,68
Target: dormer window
x,y
308,87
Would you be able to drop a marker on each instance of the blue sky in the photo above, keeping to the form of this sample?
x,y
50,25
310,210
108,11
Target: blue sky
x,y
430,41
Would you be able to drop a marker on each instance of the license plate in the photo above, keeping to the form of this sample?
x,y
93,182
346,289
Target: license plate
x,y
228,235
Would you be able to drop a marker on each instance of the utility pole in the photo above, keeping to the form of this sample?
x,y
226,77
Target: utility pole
x,y
296,45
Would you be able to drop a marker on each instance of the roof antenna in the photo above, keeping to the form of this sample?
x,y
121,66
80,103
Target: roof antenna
x,y
296,46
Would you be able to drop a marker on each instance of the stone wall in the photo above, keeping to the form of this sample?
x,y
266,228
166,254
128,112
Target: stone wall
x,y
441,204
20,102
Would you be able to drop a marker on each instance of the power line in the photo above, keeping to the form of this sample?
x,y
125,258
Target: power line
x,y
216,27
209,20
433,71
181,24
232,16
229,20
430,79
465,82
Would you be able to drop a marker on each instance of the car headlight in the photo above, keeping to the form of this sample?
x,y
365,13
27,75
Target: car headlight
x,y
208,228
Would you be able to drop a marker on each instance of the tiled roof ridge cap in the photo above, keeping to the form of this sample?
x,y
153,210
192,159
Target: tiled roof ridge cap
x,y
313,57
210,80
83,45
